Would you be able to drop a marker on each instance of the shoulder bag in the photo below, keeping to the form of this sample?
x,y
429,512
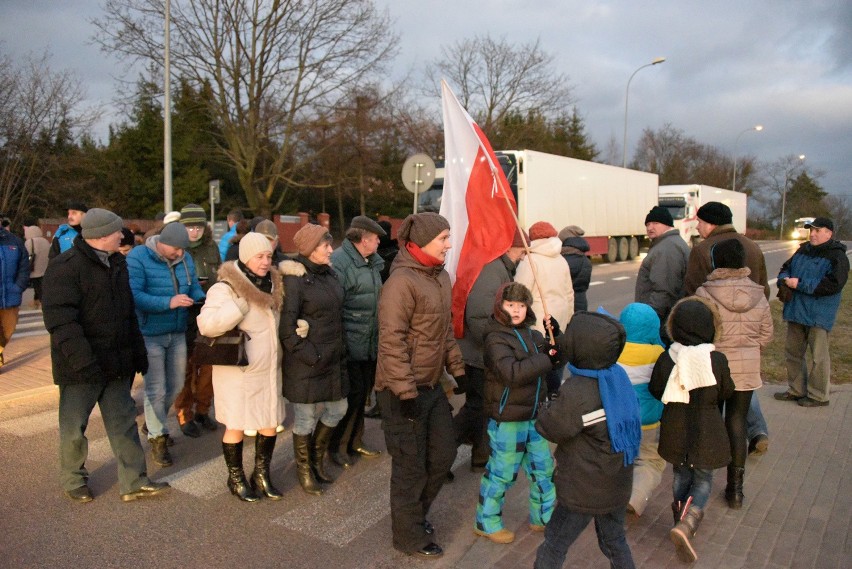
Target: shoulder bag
x,y
229,349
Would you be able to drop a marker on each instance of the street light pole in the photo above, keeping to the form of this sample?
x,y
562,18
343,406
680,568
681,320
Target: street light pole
x,y
626,97
784,201
757,128
167,118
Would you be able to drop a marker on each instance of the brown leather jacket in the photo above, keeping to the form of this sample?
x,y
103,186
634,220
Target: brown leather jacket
x,y
415,328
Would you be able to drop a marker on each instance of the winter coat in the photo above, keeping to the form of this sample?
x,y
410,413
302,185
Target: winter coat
x,y
63,239
589,477
480,308
314,367
822,272
554,277
746,322
154,282
14,269
416,338
39,247
700,264
205,256
246,397
659,283
89,311
515,371
225,242
574,251
362,281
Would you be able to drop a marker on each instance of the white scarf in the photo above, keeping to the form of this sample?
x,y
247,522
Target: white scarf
x,y
692,370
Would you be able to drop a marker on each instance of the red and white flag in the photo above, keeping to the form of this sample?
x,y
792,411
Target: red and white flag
x,y
482,221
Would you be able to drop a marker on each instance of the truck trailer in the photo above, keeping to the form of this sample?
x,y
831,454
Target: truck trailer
x,y
684,200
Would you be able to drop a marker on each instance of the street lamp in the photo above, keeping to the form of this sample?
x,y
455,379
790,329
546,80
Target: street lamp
x,y
626,97
784,200
757,128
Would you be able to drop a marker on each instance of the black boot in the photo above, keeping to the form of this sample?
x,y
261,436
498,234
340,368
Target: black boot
x,y
319,444
677,505
684,531
301,451
160,450
261,482
734,490
237,483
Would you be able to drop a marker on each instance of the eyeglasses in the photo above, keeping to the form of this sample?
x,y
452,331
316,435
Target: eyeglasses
x,y
195,228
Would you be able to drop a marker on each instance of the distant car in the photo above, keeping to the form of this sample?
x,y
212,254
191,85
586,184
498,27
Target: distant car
x,y
799,232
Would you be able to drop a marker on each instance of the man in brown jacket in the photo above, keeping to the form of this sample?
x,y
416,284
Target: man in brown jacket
x,y
416,343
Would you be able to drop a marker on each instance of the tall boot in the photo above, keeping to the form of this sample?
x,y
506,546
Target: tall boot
x,y
319,444
677,505
734,490
261,482
301,451
160,451
684,531
237,483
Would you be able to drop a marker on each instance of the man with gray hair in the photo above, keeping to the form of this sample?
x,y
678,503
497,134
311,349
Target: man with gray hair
x,y
164,285
96,348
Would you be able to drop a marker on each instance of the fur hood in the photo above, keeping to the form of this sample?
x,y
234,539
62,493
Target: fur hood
x,y
717,320
231,274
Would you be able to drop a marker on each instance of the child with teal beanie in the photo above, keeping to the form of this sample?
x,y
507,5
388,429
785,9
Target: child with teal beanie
x,y
640,353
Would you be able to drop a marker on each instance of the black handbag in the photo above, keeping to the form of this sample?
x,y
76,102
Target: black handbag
x,y
229,349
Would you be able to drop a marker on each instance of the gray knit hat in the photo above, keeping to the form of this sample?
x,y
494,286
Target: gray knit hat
x,y
100,223
422,228
174,234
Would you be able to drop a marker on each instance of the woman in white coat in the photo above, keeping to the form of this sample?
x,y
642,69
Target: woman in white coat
x,y
248,295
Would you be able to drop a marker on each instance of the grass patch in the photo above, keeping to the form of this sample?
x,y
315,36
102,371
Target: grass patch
x,y
772,365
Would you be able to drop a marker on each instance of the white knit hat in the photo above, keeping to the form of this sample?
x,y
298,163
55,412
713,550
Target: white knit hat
x,y
252,244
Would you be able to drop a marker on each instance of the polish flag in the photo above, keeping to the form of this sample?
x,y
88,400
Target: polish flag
x,y
474,201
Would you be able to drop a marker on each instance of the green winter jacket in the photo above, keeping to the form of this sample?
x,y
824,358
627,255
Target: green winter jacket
x,y
362,281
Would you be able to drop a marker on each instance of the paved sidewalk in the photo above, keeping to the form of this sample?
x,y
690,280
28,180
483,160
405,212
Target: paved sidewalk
x,y
798,506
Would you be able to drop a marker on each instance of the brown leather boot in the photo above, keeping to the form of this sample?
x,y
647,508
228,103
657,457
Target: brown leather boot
x,y
319,440
684,531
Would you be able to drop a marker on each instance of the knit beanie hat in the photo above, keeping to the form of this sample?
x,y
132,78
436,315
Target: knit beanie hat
x,y
520,237
76,205
100,223
309,237
728,254
174,235
267,228
367,224
570,231
192,214
542,230
660,214
715,213
171,216
422,228
252,244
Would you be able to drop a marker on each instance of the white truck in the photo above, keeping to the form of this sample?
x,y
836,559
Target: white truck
x,y
608,202
684,200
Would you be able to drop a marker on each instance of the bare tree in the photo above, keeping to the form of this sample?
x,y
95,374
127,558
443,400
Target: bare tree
x,y
38,114
495,77
774,181
274,66
841,213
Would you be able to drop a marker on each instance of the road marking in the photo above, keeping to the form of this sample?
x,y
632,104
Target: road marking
x,y
620,278
595,283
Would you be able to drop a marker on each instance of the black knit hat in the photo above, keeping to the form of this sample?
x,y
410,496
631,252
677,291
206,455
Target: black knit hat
x,y
728,254
660,214
715,213
76,205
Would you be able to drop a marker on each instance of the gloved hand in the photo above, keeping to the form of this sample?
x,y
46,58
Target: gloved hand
x,y
553,324
555,355
302,328
409,408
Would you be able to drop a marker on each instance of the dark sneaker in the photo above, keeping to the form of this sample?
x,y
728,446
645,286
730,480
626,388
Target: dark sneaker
x,y
758,445
206,422
191,429
787,396
808,402
431,551
80,495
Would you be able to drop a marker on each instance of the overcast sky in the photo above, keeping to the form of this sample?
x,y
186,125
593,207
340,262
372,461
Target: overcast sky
x,y
784,64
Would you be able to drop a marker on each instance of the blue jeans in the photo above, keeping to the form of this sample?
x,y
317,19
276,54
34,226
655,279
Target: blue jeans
x,y
695,482
565,527
305,415
755,423
164,380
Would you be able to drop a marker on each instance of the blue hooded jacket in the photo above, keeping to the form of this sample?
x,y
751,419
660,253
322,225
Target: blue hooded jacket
x,y
14,269
822,271
641,352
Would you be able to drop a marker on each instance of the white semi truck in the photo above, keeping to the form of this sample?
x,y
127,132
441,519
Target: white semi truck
x,y
608,202
684,200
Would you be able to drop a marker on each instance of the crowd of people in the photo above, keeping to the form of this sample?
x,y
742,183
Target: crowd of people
x,y
669,380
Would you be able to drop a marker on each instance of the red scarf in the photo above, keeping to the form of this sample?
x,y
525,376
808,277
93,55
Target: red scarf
x,y
422,257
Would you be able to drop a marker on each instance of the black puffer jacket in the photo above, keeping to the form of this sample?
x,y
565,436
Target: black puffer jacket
x,y
574,251
693,434
589,477
515,367
314,368
89,312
